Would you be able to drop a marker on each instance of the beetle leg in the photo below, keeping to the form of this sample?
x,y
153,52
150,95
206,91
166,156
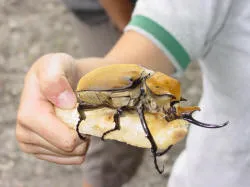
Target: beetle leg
x,y
140,110
170,113
80,111
165,151
189,118
117,122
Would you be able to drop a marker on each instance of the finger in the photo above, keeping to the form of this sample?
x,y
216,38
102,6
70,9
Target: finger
x,y
55,132
27,136
56,76
35,149
39,117
76,160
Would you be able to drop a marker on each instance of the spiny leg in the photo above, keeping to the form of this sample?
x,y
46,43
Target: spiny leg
x,y
140,110
164,152
117,122
82,117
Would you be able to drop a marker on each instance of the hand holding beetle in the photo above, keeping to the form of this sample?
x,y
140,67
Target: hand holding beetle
x,y
39,131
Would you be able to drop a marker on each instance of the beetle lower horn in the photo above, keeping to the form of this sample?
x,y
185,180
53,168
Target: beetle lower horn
x,y
189,117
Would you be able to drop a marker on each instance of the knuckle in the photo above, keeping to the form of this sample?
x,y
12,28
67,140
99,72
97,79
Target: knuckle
x,y
19,136
56,66
79,160
21,117
44,58
82,149
48,82
64,56
25,148
56,58
19,133
69,145
22,135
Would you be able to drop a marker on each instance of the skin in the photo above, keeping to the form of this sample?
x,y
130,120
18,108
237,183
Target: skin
x,y
132,48
119,11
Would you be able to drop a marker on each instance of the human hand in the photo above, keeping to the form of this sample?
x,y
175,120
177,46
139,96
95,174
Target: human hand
x,y
38,131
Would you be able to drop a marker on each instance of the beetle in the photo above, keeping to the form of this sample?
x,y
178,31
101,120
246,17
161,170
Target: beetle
x,y
132,87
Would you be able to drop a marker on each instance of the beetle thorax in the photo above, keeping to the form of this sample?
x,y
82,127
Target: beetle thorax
x,y
155,104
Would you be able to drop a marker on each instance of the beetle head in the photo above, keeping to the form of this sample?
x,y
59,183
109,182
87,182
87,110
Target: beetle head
x,y
163,89
162,85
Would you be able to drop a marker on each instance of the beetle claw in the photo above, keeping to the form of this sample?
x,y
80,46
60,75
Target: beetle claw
x,y
156,164
189,118
164,152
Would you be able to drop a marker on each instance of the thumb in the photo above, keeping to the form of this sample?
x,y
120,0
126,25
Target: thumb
x,y
56,76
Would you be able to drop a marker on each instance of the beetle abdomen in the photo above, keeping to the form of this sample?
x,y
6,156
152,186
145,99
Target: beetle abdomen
x,y
94,98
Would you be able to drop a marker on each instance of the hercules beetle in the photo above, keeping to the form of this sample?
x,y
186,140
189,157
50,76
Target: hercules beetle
x,y
132,87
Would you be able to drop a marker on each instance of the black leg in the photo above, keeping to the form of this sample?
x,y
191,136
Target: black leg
x,y
164,152
140,111
117,122
82,117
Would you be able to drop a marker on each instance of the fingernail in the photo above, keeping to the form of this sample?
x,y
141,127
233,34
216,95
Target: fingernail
x,y
66,99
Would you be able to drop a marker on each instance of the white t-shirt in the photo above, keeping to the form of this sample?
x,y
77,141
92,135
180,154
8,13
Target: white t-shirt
x,y
216,32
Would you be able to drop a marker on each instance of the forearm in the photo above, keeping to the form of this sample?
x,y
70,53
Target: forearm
x,y
132,48
119,11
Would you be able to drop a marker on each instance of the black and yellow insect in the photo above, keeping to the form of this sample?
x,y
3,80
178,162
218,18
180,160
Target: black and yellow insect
x,y
132,87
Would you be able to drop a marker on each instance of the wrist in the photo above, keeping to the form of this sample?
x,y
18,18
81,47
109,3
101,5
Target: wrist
x,y
86,65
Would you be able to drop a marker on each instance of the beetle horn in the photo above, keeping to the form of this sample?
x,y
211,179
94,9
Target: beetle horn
x,y
173,103
189,118
176,101
183,99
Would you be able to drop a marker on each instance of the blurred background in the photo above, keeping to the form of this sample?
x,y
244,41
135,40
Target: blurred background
x,y
29,29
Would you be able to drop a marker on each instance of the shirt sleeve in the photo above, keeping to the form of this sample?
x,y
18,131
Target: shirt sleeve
x,y
183,29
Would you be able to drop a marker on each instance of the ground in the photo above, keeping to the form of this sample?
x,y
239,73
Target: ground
x,y
28,30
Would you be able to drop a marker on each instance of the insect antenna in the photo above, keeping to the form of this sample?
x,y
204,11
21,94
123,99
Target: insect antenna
x,y
189,118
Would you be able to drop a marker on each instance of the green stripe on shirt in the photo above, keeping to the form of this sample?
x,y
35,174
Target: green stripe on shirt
x,y
164,37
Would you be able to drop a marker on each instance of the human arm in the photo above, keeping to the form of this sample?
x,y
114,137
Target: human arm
x,y
132,48
119,11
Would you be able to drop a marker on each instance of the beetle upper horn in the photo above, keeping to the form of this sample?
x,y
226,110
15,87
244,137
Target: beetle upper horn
x,y
161,84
